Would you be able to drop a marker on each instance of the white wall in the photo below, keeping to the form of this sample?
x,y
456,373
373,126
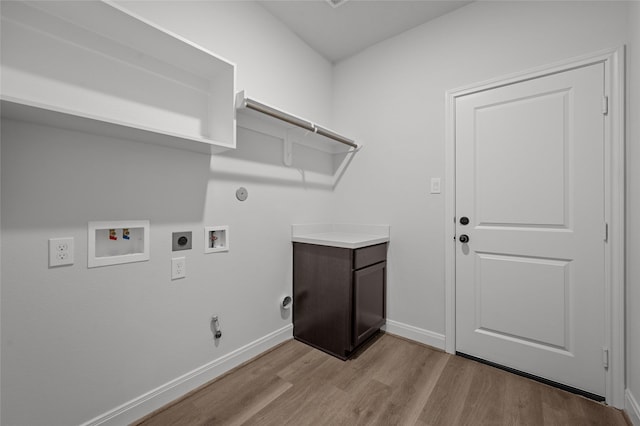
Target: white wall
x,y
396,90
633,213
273,64
78,342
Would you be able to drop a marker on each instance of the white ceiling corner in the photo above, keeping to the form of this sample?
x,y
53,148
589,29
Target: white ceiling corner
x,y
339,32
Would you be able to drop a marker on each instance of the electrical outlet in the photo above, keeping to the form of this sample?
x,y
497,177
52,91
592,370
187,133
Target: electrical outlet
x,y
60,251
178,268
181,241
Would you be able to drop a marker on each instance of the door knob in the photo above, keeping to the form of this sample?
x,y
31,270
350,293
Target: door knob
x,y
464,238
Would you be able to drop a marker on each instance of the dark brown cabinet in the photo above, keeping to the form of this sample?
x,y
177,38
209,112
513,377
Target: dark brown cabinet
x,y
338,295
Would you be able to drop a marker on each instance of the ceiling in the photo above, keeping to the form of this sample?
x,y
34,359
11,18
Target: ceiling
x,y
340,32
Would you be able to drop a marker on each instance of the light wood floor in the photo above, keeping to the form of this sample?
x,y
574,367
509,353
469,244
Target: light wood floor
x,y
392,382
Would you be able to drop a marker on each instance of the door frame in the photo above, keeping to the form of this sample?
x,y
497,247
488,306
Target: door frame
x,y
614,181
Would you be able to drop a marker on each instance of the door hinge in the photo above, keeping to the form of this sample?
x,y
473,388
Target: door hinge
x,y
605,105
605,357
606,232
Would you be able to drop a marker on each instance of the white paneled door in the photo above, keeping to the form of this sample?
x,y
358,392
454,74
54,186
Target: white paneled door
x,y
530,265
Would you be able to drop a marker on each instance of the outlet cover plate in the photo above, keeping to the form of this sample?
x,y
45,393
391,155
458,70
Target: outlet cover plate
x,y
178,268
60,251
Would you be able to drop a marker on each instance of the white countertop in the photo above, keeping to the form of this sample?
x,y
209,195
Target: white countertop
x,y
340,235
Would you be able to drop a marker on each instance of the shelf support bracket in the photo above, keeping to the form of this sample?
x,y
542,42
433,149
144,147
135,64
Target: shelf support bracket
x,y
287,150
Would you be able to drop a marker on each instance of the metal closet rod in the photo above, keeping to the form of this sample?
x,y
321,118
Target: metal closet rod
x,y
291,119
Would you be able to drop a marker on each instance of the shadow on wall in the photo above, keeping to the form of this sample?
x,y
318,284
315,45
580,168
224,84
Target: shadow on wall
x,y
259,159
54,178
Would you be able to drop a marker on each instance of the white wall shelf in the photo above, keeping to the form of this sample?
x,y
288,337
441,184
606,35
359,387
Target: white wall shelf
x,y
95,67
260,117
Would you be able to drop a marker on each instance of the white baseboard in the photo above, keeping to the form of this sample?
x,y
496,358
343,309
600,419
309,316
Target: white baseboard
x,y
152,400
632,408
414,333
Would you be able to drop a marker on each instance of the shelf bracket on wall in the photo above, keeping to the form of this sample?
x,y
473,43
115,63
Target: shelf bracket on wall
x,y
287,150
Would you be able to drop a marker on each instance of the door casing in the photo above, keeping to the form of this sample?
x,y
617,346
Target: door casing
x,y
614,170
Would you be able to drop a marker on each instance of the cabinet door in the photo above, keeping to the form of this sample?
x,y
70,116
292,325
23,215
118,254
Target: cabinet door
x,y
322,297
369,287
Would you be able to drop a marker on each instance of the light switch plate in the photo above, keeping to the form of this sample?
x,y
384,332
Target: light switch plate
x,y
435,185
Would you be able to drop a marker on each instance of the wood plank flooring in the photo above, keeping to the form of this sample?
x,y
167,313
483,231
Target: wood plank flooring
x,y
392,382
